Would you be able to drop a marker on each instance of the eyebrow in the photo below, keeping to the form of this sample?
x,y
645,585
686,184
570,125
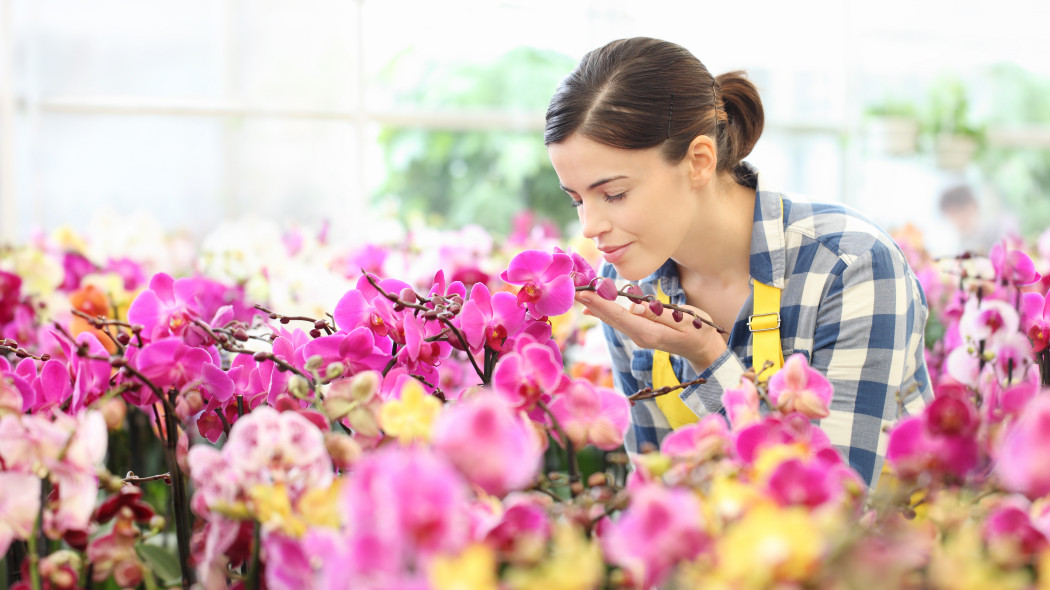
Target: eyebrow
x,y
595,184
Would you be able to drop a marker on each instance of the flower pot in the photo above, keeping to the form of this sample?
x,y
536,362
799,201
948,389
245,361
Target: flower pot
x,y
893,135
954,152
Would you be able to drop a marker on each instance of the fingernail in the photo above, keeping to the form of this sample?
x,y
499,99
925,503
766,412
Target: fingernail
x,y
637,309
583,297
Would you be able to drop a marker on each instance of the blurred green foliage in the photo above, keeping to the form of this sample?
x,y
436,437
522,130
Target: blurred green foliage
x,y
1021,175
456,177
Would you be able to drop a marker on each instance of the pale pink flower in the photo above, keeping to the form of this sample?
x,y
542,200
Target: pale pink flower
x,y
698,441
986,319
19,506
512,452
798,388
1023,464
589,414
742,404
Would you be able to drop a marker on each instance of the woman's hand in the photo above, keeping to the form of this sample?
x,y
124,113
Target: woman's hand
x,y
700,346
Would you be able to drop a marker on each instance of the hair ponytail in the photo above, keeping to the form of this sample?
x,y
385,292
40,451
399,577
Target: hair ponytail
x,y
744,121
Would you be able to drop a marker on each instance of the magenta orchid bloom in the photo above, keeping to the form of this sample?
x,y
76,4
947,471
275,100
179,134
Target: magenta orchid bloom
x,y
1035,317
523,525
416,350
1010,535
582,272
670,523
364,306
170,363
942,440
798,388
490,319
355,350
16,393
170,306
530,374
589,414
513,451
547,287
1013,267
408,503
794,428
797,483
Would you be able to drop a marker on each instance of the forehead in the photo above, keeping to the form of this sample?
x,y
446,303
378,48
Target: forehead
x,y
580,161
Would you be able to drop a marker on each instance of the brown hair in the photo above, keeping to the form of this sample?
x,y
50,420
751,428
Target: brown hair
x,y
642,93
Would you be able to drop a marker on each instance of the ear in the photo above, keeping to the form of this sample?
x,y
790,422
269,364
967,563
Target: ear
x,y
702,157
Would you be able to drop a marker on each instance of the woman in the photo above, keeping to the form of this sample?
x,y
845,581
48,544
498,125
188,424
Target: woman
x,y
650,148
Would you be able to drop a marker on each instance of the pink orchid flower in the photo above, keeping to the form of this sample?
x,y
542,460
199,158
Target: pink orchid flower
x,y
660,528
170,363
1013,266
987,319
582,272
407,502
1035,317
589,414
361,306
19,506
417,351
699,441
490,319
742,404
547,289
170,306
356,350
523,525
1022,462
1011,536
513,451
798,388
530,374
16,393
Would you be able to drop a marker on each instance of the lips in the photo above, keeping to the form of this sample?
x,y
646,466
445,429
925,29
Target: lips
x,y
613,254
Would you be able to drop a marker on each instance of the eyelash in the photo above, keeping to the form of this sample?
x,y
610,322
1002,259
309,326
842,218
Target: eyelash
x,y
608,199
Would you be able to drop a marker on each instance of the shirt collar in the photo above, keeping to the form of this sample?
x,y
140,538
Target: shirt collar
x,y
768,258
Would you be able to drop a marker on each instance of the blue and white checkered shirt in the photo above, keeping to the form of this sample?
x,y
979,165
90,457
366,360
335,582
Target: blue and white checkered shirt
x,y
849,302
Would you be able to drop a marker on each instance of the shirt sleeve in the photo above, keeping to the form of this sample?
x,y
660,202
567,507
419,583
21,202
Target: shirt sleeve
x,y
868,320
628,362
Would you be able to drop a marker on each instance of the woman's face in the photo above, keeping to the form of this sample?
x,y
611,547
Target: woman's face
x,y
635,206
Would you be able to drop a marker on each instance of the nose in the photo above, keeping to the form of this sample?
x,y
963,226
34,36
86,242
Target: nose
x,y
592,221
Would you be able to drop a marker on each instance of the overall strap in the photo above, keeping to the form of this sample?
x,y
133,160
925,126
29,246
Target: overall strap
x,y
764,323
677,413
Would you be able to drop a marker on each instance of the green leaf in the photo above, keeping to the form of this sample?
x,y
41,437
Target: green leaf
x,y
163,562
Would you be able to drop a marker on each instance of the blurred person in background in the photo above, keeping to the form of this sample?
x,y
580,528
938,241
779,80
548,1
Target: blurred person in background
x,y
649,147
977,230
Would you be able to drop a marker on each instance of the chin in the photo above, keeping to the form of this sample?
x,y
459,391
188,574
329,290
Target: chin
x,y
632,272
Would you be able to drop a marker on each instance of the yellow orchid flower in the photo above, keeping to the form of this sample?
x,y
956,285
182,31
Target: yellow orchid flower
x,y
273,509
575,563
411,417
473,569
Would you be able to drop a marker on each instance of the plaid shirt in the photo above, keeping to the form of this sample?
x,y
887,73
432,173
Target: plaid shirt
x,y
849,303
